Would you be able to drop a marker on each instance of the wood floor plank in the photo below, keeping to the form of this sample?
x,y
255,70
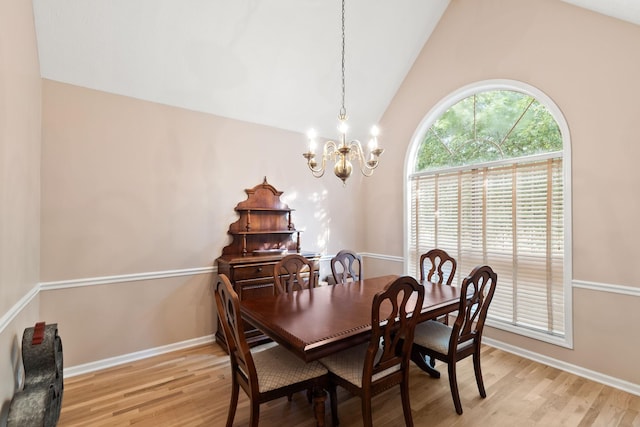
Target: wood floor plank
x,y
191,388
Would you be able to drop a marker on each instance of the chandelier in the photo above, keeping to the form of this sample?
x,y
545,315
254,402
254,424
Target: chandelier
x,y
343,152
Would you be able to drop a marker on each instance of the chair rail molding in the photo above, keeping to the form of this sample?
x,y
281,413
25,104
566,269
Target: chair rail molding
x,y
633,291
382,257
123,278
14,311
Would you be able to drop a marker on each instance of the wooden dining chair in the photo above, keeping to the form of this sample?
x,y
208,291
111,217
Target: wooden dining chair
x,y
383,362
346,266
292,273
453,343
437,266
264,375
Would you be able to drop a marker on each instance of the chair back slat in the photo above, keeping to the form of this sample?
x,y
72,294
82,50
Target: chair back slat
x,y
437,266
346,265
292,273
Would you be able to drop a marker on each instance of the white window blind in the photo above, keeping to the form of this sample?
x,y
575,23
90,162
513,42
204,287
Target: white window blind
x,y
509,216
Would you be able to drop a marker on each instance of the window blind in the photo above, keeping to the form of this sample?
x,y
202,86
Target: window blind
x,y
509,216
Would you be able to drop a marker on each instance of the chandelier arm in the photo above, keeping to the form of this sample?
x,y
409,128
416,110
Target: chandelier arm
x,y
356,150
328,153
318,172
330,148
357,153
366,163
366,172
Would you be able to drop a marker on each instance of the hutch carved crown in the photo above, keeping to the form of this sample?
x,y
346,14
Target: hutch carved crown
x,y
264,226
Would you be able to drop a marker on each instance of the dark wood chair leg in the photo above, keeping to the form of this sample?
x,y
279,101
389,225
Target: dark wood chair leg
x,y
406,403
233,404
367,417
453,384
478,371
333,397
319,398
255,413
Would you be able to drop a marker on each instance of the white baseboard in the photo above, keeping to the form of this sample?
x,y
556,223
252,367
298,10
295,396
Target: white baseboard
x,y
618,383
126,358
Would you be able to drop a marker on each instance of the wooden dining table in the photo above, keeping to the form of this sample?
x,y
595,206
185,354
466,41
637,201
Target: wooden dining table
x,y
314,323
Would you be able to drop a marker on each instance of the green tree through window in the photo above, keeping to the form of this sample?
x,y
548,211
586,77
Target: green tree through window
x,y
489,126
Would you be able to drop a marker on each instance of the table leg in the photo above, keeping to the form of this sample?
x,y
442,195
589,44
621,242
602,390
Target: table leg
x,y
424,362
319,397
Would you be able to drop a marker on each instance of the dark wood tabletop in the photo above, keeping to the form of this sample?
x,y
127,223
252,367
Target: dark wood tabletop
x,y
316,322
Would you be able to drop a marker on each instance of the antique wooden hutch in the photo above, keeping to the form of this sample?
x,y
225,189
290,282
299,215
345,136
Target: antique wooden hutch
x,y
263,234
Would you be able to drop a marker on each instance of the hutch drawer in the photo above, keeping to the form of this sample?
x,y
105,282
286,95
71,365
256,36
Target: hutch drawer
x,y
253,289
253,271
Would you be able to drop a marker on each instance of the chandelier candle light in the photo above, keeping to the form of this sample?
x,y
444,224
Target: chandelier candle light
x,y
343,152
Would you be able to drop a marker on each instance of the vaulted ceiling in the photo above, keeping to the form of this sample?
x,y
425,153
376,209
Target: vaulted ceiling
x,y
272,62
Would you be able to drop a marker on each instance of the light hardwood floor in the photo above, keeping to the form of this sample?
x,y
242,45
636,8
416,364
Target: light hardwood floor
x,y
192,387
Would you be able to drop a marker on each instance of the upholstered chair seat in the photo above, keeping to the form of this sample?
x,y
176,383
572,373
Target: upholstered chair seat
x,y
348,364
277,367
436,335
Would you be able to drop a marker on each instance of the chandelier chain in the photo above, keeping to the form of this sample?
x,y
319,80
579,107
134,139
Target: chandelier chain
x,y
343,110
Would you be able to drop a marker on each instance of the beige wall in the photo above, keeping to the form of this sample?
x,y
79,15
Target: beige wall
x,y
119,318
20,111
132,187
587,64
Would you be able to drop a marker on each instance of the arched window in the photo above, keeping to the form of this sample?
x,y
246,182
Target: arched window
x,y
488,181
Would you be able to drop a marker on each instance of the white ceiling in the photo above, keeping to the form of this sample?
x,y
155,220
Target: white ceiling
x,y
273,62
